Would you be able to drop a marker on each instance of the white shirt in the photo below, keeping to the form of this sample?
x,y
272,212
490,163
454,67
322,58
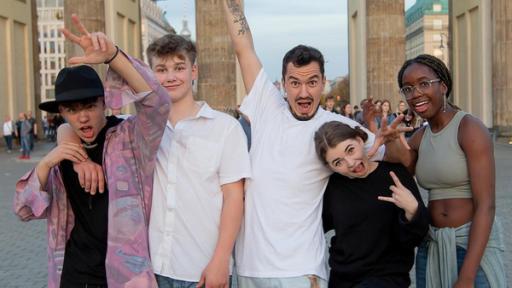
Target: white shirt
x,y
282,234
194,159
8,128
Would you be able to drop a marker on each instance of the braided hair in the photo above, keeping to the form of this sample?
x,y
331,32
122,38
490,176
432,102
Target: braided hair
x,y
435,64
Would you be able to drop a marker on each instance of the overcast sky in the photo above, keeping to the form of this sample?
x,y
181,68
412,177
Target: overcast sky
x,y
279,25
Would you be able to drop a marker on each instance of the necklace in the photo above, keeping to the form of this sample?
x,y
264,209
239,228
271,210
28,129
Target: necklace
x,y
89,146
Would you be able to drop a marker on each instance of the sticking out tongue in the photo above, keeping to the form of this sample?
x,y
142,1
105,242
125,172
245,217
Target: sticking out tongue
x,y
359,168
87,132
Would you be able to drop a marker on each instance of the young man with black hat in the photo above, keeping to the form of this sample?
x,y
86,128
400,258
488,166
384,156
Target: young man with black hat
x,y
99,240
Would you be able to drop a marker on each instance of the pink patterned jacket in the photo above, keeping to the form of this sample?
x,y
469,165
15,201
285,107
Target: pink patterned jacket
x,y
129,160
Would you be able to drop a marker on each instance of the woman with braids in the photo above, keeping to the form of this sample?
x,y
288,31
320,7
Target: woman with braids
x,y
453,159
375,209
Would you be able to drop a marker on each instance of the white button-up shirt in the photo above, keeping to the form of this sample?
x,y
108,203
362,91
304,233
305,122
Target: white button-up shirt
x,y
194,159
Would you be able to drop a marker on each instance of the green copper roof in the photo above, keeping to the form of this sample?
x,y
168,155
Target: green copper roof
x,y
424,7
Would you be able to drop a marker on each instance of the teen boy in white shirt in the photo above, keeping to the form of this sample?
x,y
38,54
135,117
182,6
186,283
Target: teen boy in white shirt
x,y
198,186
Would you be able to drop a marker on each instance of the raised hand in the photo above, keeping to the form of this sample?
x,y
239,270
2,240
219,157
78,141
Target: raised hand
x,y
96,46
386,134
401,197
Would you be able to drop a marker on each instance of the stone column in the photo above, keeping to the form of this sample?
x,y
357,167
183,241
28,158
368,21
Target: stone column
x,y
502,66
385,47
215,57
37,67
92,15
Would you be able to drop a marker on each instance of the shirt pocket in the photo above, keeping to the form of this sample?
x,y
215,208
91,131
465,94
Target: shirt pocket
x,y
202,155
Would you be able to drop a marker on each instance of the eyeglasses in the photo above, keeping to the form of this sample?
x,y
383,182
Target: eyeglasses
x,y
422,87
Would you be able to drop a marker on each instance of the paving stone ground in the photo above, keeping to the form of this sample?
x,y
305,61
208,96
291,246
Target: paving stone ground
x,y
23,245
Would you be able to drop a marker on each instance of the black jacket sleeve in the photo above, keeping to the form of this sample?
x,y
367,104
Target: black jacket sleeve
x,y
412,232
326,210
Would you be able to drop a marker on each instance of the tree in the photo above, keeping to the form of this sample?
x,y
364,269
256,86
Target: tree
x,y
340,88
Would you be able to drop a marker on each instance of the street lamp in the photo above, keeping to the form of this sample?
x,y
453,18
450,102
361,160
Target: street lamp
x,y
441,45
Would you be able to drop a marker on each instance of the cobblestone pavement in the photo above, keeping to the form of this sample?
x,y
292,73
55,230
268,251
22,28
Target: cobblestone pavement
x,y
23,261
23,245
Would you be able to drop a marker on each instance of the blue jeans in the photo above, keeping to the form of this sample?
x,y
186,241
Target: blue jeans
x,y
421,267
8,141
166,282
32,139
305,281
25,145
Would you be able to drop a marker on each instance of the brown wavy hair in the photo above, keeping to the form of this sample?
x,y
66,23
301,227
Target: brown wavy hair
x,y
332,133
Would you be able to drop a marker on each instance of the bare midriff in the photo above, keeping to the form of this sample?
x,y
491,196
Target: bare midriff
x,y
451,212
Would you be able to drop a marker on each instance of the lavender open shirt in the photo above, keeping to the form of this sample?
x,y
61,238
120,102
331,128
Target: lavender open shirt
x,y
128,162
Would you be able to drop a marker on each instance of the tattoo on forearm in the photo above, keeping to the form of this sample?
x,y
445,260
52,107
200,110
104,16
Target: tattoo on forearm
x,y
238,17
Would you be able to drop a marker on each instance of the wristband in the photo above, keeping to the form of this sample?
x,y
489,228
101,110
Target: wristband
x,y
113,57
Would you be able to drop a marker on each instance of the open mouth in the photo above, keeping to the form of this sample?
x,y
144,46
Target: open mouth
x,y
87,131
304,105
358,169
421,107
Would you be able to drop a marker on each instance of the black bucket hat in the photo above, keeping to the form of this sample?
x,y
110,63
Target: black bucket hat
x,y
74,84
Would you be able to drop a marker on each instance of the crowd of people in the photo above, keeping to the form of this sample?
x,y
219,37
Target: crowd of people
x,y
174,196
383,109
23,133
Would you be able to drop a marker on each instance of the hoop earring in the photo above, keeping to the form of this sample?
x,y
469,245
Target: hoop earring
x,y
444,102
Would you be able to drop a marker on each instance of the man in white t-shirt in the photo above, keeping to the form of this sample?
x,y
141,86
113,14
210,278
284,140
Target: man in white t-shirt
x,y
281,243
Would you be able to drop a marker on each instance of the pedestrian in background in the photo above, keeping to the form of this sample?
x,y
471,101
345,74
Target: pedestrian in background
x,y
25,136
8,133
385,108
330,102
346,110
33,129
17,129
402,106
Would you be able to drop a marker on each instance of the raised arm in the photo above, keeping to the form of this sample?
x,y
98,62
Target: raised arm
x,y
242,41
99,49
129,80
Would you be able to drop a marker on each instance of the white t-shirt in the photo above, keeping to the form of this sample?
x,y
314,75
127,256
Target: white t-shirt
x,y
8,128
194,159
282,234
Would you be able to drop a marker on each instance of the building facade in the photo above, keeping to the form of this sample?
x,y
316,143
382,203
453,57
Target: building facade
x,y
427,29
52,57
216,58
376,33
17,58
153,24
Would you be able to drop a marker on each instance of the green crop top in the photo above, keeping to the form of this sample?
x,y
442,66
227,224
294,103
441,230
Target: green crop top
x,y
442,167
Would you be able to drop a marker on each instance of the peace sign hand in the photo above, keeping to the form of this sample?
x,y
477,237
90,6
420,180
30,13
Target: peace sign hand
x,y
96,46
401,197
